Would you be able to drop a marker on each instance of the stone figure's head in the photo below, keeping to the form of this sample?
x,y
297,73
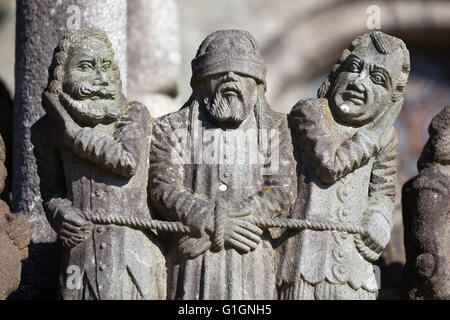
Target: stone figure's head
x,y
3,172
369,77
85,72
437,148
228,75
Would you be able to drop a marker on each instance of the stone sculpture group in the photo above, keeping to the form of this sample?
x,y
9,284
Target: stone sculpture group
x,y
226,198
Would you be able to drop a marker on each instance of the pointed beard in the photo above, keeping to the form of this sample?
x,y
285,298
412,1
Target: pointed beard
x,y
231,108
93,112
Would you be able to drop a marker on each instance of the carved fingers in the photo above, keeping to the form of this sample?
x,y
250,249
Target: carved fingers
x,y
72,236
193,247
242,235
239,234
386,123
74,228
61,118
378,232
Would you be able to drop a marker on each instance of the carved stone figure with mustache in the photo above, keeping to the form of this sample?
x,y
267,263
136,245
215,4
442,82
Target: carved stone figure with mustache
x,y
226,256
92,152
346,148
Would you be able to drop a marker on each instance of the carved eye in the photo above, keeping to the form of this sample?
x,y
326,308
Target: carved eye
x,y
106,65
85,66
378,78
354,66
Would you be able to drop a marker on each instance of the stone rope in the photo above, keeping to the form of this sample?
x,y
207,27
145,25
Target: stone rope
x,y
143,223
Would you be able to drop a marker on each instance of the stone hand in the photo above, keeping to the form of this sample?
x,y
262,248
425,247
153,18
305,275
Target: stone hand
x,y
74,228
192,247
378,232
60,116
242,234
383,126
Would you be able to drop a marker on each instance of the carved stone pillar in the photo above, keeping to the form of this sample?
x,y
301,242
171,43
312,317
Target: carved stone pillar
x,y
154,54
39,26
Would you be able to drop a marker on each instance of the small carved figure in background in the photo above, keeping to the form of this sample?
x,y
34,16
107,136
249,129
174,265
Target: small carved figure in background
x,y
14,239
92,152
347,170
426,207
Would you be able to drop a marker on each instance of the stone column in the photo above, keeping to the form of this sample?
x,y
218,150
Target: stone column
x,y
154,54
39,26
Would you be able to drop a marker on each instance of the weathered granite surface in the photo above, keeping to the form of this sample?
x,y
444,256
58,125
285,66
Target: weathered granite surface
x,y
6,132
222,172
39,27
216,191
426,207
154,54
92,150
14,239
347,162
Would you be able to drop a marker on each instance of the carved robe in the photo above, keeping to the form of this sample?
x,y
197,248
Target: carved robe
x,y
106,173
343,177
183,187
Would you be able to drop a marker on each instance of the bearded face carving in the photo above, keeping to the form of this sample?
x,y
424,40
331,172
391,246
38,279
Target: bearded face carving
x,y
229,97
91,87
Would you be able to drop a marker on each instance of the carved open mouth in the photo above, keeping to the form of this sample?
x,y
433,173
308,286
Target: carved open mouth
x,y
354,97
230,89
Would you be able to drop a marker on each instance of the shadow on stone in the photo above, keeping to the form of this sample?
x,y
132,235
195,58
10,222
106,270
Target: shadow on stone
x,y
40,273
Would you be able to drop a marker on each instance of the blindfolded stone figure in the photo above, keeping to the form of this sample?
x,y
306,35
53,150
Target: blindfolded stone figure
x,y
347,171
223,158
92,152
14,239
426,207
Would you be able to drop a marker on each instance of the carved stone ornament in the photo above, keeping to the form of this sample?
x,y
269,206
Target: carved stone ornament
x,y
243,202
14,239
426,207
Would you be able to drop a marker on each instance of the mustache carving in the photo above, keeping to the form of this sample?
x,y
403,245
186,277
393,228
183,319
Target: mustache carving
x,y
85,90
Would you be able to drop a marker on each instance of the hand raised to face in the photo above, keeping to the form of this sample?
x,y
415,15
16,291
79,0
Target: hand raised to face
x,y
367,80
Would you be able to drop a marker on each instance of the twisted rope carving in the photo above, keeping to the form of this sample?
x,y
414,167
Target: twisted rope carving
x,y
142,223
218,239
364,250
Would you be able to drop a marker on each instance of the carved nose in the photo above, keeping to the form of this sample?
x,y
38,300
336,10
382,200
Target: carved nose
x,y
231,76
357,83
102,79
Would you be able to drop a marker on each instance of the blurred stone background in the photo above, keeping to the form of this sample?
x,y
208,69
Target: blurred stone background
x,y
299,41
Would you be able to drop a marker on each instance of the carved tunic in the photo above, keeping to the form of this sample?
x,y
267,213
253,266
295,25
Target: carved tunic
x,y
182,190
108,175
363,185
